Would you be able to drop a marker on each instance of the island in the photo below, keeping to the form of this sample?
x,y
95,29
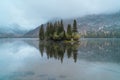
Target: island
x,y
56,32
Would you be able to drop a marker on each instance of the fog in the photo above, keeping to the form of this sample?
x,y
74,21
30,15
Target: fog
x,y
31,13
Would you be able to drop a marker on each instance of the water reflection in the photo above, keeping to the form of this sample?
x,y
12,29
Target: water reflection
x,y
103,50
30,59
57,50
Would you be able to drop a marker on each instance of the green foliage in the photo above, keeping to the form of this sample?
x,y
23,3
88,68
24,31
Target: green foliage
x,y
51,31
69,32
76,36
68,37
62,27
56,31
75,26
55,36
41,33
47,31
60,30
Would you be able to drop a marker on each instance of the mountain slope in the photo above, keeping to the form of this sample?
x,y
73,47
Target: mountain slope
x,y
94,23
33,33
14,31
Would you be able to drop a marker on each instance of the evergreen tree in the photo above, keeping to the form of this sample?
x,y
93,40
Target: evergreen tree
x,y
58,28
75,26
55,26
57,32
41,33
47,31
69,30
51,31
75,34
62,26
62,32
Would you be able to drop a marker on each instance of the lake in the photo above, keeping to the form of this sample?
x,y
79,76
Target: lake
x,y
31,59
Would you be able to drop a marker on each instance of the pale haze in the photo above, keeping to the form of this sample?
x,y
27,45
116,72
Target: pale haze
x,y
31,13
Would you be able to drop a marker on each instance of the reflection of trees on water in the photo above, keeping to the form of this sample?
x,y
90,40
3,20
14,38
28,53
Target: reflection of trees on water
x,y
41,48
102,50
58,50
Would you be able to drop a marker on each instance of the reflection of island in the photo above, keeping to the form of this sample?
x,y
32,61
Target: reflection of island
x,y
59,50
94,50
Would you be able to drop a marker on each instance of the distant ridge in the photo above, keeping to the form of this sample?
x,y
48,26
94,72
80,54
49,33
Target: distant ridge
x,y
105,22
11,31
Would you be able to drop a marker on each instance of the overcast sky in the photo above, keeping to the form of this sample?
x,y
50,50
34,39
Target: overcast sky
x,y
31,13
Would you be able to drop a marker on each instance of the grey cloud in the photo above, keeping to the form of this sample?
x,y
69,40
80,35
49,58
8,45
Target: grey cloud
x,y
31,13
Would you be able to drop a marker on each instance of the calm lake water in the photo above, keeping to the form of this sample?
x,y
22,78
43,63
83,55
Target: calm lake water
x,y
89,59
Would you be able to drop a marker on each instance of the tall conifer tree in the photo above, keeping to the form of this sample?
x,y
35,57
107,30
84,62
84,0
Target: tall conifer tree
x,y
75,26
41,33
69,29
